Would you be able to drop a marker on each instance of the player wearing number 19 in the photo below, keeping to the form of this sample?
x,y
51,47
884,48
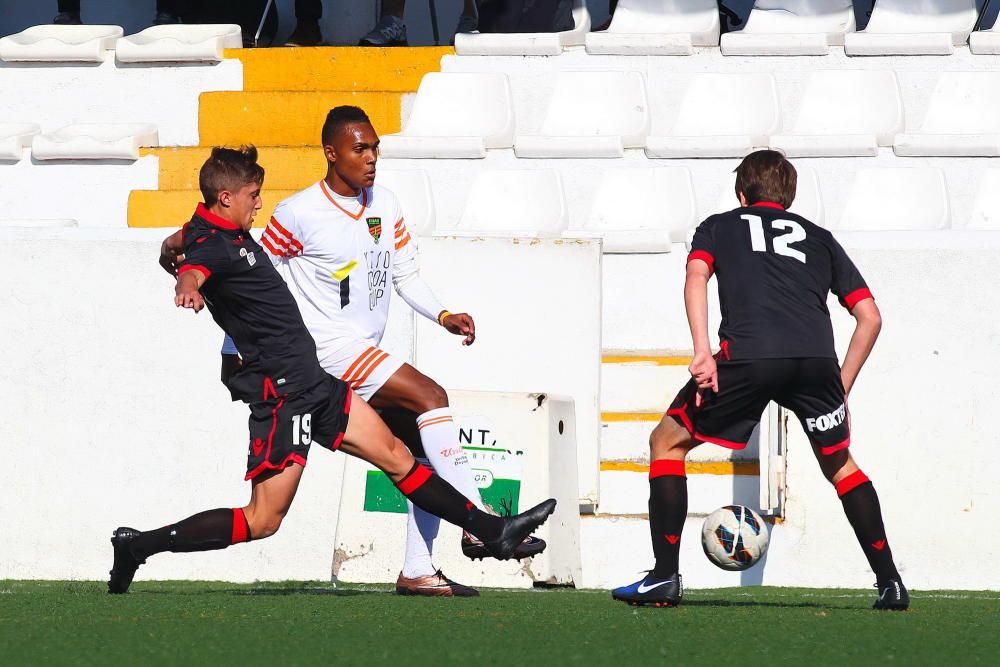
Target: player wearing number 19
x,y
775,270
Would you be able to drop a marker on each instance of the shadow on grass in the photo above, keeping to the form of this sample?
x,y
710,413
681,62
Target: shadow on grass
x,y
763,603
253,592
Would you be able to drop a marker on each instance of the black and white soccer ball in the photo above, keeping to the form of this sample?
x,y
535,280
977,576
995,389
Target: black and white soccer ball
x,y
734,537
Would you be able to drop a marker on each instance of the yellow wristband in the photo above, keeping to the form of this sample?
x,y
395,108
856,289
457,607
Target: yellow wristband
x,y
444,314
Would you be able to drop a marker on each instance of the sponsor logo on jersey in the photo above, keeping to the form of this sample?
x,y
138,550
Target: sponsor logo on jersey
x,y
374,227
827,421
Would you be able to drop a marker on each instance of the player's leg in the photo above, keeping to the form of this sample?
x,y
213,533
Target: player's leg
x,y
819,403
368,437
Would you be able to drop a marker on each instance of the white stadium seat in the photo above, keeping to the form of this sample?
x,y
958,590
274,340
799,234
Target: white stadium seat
x,y
986,208
591,115
95,141
845,113
914,27
60,43
721,115
515,202
658,27
179,43
986,41
526,44
642,210
963,118
14,138
808,200
896,199
456,115
791,28
413,189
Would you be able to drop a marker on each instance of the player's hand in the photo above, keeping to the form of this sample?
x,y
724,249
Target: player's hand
x,y
170,262
189,298
705,373
461,324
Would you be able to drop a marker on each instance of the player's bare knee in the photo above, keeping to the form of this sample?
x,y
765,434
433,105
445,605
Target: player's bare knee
x,y
668,440
432,395
264,524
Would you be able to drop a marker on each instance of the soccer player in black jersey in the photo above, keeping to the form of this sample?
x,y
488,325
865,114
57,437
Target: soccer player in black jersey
x,y
775,270
293,402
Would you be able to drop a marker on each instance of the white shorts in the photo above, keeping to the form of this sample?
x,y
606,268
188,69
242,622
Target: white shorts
x,y
363,366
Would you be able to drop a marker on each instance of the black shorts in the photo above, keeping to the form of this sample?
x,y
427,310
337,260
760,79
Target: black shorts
x,y
811,388
283,428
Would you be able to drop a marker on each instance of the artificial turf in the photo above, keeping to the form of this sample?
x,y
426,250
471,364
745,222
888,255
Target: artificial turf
x,y
295,623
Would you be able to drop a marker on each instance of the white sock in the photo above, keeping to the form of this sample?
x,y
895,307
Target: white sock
x,y
421,529
440,439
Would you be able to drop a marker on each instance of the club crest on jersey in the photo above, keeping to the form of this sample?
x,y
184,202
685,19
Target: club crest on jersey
x,y
374,227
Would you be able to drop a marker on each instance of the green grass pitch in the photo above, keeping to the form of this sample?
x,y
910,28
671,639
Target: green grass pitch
x,y
295,623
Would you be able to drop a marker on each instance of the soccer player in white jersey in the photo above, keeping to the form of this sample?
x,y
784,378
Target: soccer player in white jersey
x,y
342,245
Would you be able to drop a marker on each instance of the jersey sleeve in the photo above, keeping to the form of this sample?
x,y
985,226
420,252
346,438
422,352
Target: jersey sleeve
x,y
406,272
703,244
280,237
206,253
846,281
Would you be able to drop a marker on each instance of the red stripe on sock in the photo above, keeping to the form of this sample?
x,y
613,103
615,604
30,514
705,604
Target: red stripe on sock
x,y
853,480
240,532
664,467
414,480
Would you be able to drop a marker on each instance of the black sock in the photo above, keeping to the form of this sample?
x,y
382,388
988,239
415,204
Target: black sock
x,y
206,531
432,494
863,511
668,502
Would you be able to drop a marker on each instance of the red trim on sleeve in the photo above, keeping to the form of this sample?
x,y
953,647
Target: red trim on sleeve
x,y
855,297
703,256
414,480
220,222
270,247
769,204
191,267
852,481
289,238
666,467
240,532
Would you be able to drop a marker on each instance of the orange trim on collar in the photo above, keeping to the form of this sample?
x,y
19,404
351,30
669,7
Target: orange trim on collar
x,y
353,216
217,220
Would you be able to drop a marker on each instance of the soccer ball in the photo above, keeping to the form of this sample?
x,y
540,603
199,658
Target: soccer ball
x,y
734,537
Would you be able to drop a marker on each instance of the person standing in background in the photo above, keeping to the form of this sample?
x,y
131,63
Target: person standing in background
x,y
167,11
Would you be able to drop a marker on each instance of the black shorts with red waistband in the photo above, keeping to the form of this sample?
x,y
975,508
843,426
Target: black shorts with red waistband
x,y
283,428
810,387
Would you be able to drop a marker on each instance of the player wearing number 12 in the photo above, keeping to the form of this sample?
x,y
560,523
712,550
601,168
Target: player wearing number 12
x,y
775,270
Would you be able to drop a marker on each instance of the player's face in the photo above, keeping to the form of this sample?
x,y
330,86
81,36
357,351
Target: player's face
x,y
354,154
244,204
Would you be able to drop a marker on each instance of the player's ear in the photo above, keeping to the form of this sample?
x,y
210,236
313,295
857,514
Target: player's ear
x,y
743,199
226,198
330,153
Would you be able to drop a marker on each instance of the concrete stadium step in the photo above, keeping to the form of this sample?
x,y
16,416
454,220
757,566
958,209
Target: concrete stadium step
x,y
287,167
338,68
625,489
282,118
641,381
173,208
628,440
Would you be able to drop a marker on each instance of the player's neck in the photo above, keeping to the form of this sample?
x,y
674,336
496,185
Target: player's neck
x,y
220,211
340,186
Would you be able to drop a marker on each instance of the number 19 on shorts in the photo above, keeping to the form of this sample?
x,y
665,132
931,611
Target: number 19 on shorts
x,y
302,429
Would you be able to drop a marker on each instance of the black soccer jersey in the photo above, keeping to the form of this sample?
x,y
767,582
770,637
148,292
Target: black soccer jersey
x,y
775,270
251,303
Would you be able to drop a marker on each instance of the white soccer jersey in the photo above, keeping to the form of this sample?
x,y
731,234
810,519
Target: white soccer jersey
x,y
341,257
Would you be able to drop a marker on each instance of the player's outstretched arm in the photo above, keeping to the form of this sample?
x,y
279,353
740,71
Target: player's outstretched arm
x,y
866,330
460,324
702,368
186,294
170,252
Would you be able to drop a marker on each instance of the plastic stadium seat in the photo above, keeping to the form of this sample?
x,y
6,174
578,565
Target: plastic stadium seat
x,y
914,27
808,200
845,113
642,210
516,202
413,189
179,43
986,208
791,28
456,116
14,138
95,141
526,44
721,115
963,118
61,43
658,27
986,41
896,199
591,114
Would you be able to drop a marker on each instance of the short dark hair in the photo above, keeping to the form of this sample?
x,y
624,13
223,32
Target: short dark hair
x,y
340,116
229,169
766,176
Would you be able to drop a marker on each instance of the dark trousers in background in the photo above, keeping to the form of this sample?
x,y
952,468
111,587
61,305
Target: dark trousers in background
x,y
308,10
168,6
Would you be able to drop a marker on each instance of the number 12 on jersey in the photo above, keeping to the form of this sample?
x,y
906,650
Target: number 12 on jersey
x,y
782,244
